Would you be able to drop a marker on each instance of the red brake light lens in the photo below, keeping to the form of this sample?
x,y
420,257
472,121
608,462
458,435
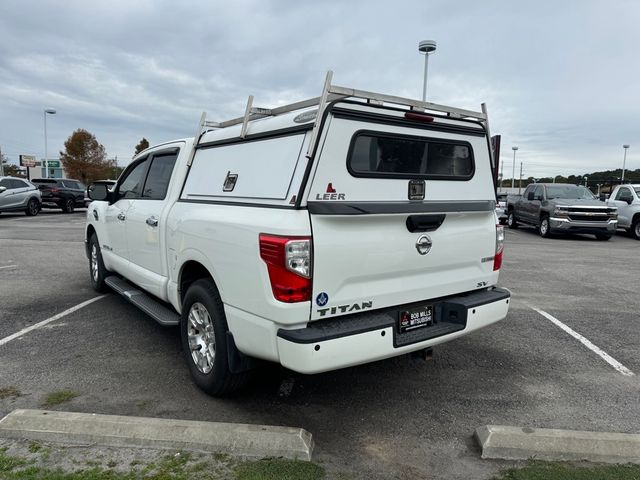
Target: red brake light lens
x,y
420,117
288,261
497,259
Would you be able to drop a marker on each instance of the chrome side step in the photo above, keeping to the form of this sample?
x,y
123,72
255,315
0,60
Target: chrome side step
x,y
144,302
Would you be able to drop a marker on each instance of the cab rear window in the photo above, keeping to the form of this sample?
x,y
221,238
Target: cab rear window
x,y
374,154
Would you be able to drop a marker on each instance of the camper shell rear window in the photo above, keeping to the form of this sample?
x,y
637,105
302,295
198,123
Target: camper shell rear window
x,y
385,155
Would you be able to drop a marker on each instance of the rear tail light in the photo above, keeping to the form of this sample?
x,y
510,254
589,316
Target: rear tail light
x,y
497,258
288,261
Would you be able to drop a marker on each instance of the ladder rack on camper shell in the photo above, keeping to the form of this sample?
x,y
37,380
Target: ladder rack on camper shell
x,y
331,93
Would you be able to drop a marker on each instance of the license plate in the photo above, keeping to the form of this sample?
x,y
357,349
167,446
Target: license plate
x,y
414,318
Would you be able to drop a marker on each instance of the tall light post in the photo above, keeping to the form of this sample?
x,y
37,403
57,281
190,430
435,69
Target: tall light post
x,y
426,47
47,111
624,161
513,172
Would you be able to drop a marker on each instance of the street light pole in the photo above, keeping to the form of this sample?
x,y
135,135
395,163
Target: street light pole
x,y
513,171
520,181
49,111
426,47
624,161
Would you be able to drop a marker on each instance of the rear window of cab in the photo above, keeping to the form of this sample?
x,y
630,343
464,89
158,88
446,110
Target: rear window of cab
x,y
383,155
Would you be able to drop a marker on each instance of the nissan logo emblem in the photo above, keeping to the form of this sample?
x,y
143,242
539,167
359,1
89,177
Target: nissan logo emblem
x,y
423,245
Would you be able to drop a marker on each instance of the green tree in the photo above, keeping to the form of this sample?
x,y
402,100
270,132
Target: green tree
x,y
11,170
115,171
142,145
84,158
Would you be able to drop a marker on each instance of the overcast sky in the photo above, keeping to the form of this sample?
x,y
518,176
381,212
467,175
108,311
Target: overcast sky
x,y
561,79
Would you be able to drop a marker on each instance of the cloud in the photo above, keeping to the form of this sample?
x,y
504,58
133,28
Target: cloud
x,y
558,78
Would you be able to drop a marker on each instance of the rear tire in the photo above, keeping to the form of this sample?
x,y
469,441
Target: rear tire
x,y
511,220
97,270
545,227
68,206
203,330
33,207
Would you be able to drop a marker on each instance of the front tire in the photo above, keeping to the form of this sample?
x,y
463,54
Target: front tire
x,y
603,236
33,207
97,270
545,227
511,220
203,329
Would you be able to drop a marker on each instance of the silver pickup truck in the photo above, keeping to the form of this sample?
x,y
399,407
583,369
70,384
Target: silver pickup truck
x,y
626,198
561,208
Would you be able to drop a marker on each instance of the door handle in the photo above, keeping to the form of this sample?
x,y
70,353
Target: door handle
x,y
121,216
425,223
152,221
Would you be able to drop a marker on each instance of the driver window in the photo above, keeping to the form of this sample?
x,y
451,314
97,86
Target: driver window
x,y
538,193
623,194
131,186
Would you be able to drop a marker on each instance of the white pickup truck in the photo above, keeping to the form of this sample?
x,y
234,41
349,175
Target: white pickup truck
x,y
627,199
341,230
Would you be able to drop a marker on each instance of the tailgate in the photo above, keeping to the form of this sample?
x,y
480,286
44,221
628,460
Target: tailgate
x,y
399,214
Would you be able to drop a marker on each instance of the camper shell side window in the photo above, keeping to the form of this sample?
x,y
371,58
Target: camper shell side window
x,y
386,155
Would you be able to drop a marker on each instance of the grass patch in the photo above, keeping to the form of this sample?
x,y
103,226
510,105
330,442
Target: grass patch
x,y
143,404
560,471
278,469
8,463
170,467
56,398
34,447
6,392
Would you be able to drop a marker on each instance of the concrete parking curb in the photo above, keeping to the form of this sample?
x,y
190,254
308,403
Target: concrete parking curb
x,y
119,431
515,443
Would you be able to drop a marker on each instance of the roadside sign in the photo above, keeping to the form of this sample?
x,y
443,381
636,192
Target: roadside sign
x,y
27,161
53,163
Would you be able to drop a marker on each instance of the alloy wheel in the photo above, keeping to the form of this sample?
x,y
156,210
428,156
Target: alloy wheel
x,y
94,263
201,337
544,227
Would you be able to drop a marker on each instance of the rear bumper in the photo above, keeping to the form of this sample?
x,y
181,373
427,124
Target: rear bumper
x,y
362,338
564,225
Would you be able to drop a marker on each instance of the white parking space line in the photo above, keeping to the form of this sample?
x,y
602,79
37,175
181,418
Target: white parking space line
x,y
8,266
594,348
24,331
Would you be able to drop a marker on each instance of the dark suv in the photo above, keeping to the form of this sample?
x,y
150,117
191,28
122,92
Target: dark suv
x,y
61,193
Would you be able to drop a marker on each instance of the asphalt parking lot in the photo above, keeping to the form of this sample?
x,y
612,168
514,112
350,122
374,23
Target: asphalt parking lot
x,y
399,418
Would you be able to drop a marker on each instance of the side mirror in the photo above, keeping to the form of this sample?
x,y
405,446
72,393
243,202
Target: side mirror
x,y
530,196
98,191
3,189
629,200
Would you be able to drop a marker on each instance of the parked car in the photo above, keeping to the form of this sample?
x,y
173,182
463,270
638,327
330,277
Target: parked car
x,y
315,244
63,193
17,194
501,208
108,183
562,208
626,198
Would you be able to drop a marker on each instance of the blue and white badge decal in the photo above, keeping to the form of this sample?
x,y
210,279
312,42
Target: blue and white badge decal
x,y
322,299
